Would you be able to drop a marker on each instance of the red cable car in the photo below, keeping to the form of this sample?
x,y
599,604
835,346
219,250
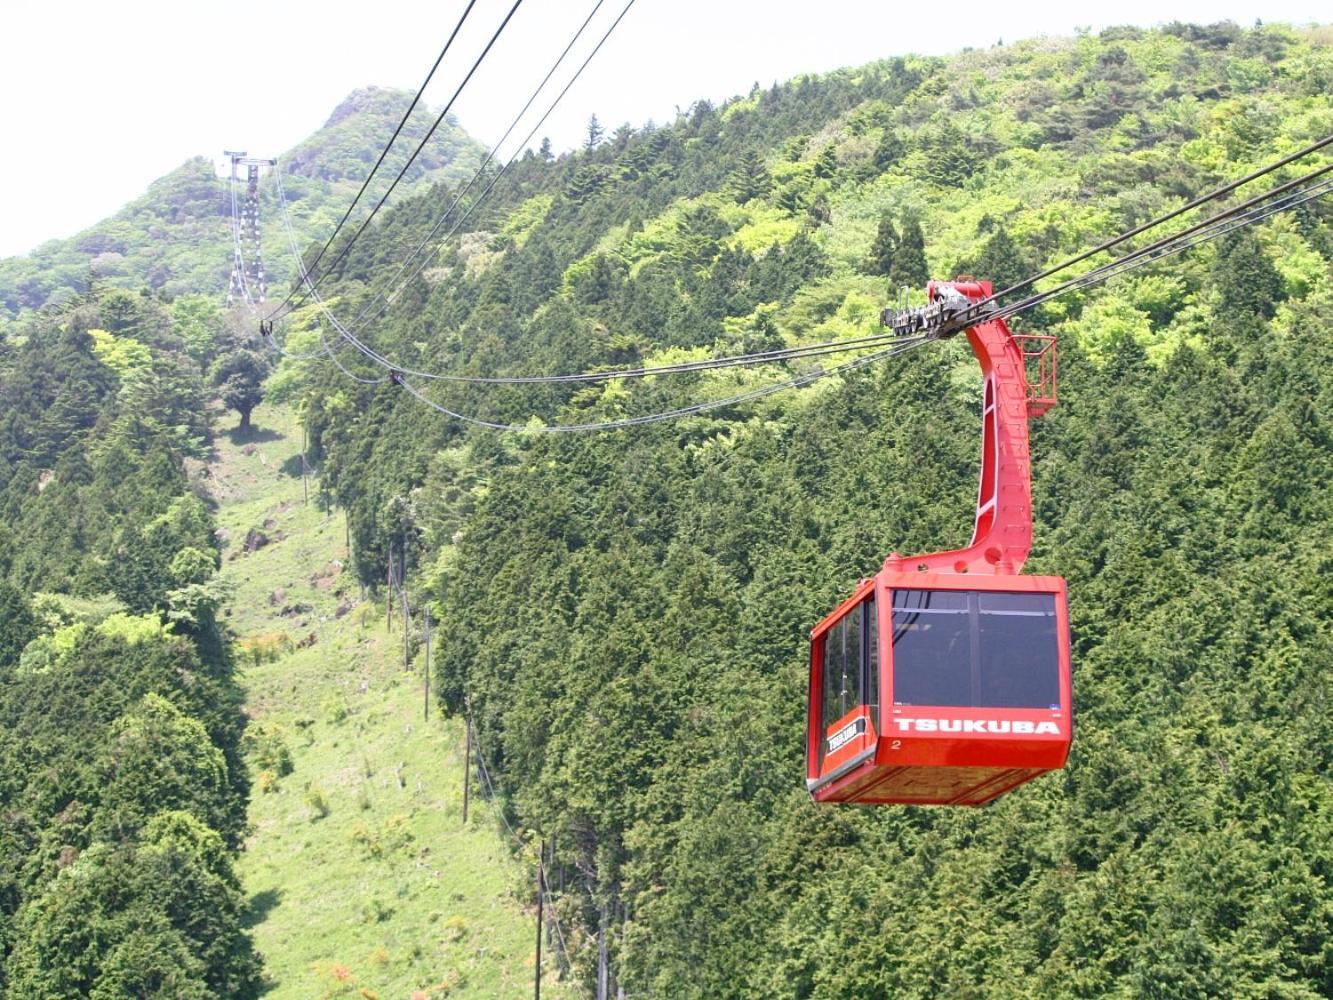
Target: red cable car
x,y
944,679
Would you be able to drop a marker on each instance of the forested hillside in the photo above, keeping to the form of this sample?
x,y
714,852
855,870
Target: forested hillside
x,y
626,613
176,238
122,788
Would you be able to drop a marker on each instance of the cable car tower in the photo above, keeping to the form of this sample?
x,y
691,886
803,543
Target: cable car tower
x,y
944,679
247,277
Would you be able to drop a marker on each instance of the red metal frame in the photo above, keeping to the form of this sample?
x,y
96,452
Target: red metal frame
x,y
963,756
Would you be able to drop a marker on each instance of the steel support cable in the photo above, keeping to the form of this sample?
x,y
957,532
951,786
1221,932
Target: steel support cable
x,y
795,382
1157,252
333,319
242,280
1299,184
766,357
392,139
1212,228
305,277
491,154
1152,224
439,120
1224,223
683,367
343,368
476,201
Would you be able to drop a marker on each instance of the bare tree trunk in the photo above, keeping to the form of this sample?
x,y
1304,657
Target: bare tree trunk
x,y
603,963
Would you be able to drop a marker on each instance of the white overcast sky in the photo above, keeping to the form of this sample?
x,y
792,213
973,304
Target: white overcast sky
x,y
99,97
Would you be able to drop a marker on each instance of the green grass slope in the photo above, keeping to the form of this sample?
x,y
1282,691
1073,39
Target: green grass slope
x,y
363,880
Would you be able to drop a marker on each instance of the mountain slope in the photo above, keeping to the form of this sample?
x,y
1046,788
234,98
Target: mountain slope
x,y
176,238
629,611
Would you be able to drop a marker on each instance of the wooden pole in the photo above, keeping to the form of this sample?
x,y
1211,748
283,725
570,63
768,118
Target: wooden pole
x,y
305,489
389,579
467,764
541,899
426,678
407,613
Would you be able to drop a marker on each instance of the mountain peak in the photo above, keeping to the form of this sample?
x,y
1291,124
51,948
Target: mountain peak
x,y
363,100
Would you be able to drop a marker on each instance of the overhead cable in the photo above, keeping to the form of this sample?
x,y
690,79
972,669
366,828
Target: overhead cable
x,y
1301,185
1153,223
439,120
430,236
672,414
388,145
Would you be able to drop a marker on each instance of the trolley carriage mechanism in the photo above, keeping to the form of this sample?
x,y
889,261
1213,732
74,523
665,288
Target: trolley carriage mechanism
x,y
944,679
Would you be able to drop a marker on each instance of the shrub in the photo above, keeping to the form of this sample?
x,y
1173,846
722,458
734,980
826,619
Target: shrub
x,y
318,804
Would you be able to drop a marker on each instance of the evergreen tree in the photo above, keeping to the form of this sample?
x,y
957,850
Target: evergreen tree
x,y
18,627
909,268
826,164
593,135
883,250
749,179
999,262
1249,284
890,150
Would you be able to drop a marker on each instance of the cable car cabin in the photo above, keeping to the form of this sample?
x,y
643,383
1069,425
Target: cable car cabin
x,y
930,688
945,678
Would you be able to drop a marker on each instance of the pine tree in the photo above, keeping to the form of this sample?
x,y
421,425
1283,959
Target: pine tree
x,y
890,150
883,250
826,165
594,135
750,178
909,262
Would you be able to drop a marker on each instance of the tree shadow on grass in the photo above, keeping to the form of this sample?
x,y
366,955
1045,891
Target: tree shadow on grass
x,y
259,906
292,467
253,435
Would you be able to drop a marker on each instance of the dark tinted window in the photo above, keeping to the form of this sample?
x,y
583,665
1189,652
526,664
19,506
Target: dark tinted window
x,y
967,648
851,663
932,648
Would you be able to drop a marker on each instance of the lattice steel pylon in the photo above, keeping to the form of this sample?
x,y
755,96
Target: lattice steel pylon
x,y
247,271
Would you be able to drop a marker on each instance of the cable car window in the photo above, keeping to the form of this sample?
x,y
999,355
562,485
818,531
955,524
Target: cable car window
x,y
962,648
932,648
851,663
1020,651
872,660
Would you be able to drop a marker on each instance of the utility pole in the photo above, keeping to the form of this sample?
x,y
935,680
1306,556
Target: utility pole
x,y
541,899
305,489
389,579
426,679
407,621
467,762
407,611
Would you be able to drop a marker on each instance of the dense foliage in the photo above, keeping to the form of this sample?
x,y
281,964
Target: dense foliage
x,y
626,614
176,238
122,789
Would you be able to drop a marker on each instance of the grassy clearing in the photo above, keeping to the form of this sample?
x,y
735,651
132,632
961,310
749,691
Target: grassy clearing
x,y
362,878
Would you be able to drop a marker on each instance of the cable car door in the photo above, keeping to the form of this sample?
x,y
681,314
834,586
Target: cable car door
x,y
847,674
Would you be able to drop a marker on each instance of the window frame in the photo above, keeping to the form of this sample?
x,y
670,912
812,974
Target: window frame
x,y
974,597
